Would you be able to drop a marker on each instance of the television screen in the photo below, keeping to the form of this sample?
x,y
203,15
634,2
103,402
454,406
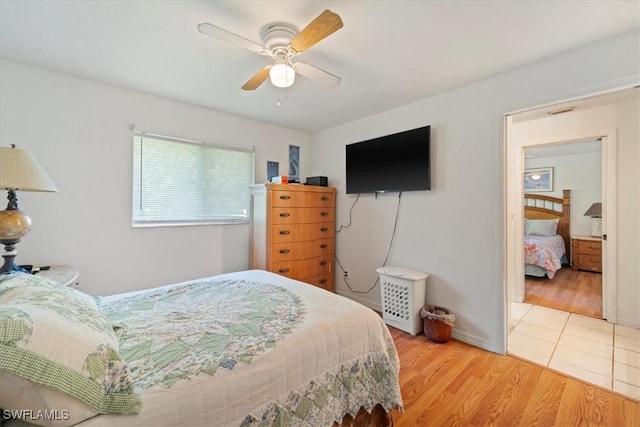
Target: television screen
x,y
398,162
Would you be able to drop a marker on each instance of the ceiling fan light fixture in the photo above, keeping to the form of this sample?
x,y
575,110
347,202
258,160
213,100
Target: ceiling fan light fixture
x,y
282,74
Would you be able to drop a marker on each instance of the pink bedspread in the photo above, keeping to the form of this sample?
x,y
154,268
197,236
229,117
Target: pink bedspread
x,y
545,252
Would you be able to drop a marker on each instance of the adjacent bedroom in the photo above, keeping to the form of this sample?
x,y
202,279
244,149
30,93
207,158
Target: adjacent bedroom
x,y
563,233
297,213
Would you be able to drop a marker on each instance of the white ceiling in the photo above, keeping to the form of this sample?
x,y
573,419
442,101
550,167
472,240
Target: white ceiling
x,y
389,53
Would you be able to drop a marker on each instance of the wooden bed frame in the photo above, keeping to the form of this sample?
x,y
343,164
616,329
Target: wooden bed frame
x,y
537,206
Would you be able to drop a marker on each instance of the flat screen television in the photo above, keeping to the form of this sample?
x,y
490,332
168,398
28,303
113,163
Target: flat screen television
x,y
397,162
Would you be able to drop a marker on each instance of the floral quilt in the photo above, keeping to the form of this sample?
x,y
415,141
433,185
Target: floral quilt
x,y
545,252
251,349
173,334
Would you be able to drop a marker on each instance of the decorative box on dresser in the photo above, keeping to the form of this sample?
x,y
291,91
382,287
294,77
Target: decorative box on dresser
x,y
586,253
292,231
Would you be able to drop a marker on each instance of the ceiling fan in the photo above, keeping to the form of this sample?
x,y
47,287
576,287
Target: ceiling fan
x,y
282,42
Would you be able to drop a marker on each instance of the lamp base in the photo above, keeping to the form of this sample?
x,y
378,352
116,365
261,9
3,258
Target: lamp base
x,y
596,227
9,256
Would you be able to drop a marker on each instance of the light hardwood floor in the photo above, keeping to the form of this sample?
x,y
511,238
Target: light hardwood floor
x,y
458,384
578,292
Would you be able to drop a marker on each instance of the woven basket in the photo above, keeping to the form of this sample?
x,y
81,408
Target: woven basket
x,y
434,329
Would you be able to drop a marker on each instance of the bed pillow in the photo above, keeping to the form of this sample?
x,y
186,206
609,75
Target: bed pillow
x,y
64,349
541,227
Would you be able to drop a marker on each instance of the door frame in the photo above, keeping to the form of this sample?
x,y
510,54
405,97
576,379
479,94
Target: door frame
x,y
513,170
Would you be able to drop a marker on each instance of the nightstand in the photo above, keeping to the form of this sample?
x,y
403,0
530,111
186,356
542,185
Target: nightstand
x,y
586,253
63,274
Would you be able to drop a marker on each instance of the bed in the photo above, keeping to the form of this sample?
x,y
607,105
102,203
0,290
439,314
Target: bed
x,y
241,349
547,233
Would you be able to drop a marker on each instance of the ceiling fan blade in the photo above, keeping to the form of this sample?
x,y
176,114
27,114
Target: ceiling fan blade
x,y
257,79
229,37
316,74
323,26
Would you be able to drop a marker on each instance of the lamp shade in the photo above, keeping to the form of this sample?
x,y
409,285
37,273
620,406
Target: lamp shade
x,y
19,170
595,210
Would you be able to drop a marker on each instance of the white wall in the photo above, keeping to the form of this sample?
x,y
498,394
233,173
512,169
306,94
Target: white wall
x,y
580,173
455,232
80,132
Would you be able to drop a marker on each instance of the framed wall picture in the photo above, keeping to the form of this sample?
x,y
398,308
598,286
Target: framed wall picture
x,y
538,180
294,163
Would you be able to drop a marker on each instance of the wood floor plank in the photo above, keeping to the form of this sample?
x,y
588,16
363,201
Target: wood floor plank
x,y
455,384
577,292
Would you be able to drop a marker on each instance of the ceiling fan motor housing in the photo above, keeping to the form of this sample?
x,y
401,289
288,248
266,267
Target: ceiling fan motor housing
x,y
277,38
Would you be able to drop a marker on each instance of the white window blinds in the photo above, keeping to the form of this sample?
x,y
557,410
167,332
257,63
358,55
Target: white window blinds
x,y
182,182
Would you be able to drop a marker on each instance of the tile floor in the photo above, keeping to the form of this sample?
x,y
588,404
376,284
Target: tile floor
x,y
582,347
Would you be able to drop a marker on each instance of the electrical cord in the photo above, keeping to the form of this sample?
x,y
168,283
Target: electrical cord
x,y
350,211
393,235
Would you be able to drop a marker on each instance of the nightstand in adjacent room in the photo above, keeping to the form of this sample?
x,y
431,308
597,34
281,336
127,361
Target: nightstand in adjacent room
x,y
586,253
63,274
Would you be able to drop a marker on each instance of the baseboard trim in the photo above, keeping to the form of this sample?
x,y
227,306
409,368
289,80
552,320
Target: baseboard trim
x,y
456,334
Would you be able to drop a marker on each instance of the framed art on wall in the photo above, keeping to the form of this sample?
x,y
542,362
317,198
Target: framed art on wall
x,y
538,180
294,162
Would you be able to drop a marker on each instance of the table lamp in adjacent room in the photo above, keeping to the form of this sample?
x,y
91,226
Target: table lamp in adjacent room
x,y
595,212
19,171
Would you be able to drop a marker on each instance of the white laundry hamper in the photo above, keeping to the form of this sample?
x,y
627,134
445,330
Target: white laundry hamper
x,y
403,293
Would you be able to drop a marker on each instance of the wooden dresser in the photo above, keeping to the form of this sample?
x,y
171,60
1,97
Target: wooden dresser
x,y
586,253
292,231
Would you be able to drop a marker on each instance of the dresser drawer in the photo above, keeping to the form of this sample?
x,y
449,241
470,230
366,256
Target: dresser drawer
x,y
589,247
301,215
302,199
316,266
324,281
301,250
281,233
300,269
590,262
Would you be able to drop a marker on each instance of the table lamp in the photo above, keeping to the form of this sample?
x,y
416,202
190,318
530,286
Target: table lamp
x,y
595,212
19,171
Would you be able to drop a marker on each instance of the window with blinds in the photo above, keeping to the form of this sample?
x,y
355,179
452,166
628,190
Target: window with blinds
x,y
178,182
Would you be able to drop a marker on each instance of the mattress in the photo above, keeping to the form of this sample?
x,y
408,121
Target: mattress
x,y
250,348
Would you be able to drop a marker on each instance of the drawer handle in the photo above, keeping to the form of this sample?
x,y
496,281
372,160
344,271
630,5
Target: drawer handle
x,y
284,251
324,213
323,262
323,281
285,197
324,198
285,232
284,214
594,247
283,270
324,246
323,229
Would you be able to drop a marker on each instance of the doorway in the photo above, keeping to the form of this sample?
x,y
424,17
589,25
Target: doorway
x,y
579,346
563,271
571,122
